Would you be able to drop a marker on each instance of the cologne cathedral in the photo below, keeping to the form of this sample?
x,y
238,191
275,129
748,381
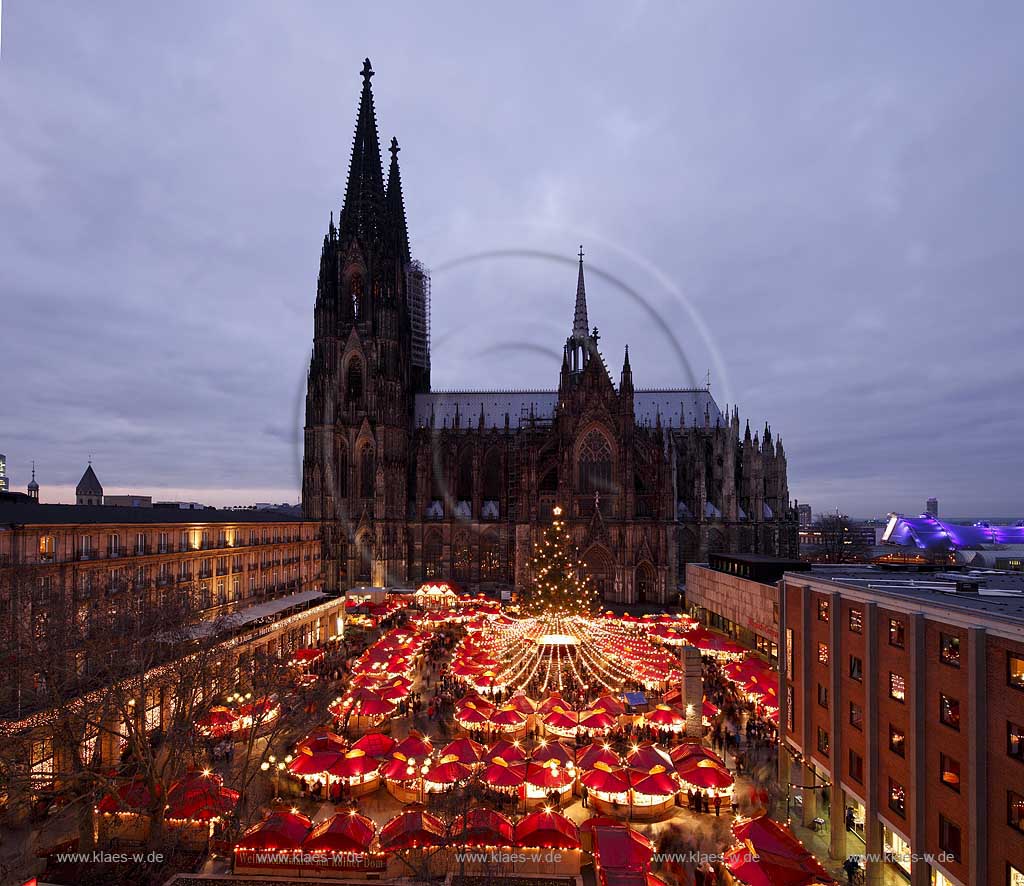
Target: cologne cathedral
x,y
413,485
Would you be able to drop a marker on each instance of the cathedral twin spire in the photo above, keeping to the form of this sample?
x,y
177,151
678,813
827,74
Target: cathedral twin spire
x,y
372,214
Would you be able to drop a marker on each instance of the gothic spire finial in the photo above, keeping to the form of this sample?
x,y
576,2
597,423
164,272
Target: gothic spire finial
x,y
580,324
396,207
364,194
367,71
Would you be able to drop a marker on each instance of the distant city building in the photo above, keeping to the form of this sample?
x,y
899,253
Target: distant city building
x,y
128,501
4,485
89,491
804,515
932,507
928,533
181,505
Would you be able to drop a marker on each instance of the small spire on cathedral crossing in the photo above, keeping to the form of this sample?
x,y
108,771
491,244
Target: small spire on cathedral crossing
x,y
580,324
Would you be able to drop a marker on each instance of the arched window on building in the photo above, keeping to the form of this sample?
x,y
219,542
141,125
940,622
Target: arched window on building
x,y
597,564
433,554
595,464
355,289
354,383
464,482
492,476
367,471
341,470
492,561
462,557
646,583
364,545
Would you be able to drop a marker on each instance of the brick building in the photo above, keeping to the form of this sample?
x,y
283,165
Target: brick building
x,y
904,694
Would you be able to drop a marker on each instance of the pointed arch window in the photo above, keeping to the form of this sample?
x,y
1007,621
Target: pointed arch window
x,y
595,464
365,548
433,551
341,470
354,383
462,557
492,476
464,487
367,471
355,289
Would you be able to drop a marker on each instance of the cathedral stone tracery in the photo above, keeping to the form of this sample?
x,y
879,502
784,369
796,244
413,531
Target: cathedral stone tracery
x,y
412,484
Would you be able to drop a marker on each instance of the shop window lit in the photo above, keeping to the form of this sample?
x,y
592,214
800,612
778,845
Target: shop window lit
x,y
856,621
949,837
949,772
856,669
897,633
1015,671
856,716
823,695
823,653
856,767
823,741
1015,740
41,763
47,544
949,711
897,741
897,798
823,610
949,650
897,687
1015,811
1014,877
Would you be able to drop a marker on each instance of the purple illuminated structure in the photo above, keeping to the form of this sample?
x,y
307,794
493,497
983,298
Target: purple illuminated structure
x,y
930,534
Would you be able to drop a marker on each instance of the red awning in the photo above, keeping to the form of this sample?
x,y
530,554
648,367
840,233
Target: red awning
x,y
596,753
411,829
133,796
554,750
280,830
500,774
547,830
769,854
376,744
482,827
342,832
354,764
620,848
465,750
200,797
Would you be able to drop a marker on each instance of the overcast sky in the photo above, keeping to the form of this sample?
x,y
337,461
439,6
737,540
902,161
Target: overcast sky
x,y
821,203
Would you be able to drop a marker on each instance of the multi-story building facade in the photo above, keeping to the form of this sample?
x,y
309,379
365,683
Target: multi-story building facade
x,y
902,701
413,484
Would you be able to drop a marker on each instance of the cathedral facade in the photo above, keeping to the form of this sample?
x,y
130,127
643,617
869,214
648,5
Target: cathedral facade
x,y
411,484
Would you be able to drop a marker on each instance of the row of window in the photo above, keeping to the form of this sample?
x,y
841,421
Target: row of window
x,y
949,645
188,540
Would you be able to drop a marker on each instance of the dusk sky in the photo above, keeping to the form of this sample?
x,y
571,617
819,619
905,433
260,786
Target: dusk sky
x,y
819,204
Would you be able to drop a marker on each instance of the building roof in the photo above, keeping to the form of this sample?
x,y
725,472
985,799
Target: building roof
x,y
999,595
89,484
23,514
930,533
675,406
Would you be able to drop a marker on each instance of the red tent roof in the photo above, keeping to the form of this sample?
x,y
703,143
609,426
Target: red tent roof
x,y
547,830
199,797
280,830
465,750
133,796
553,750
596,753
705,774
505,775
522,703
608,781
507,750
665,715
554,700
342,832
414,746
660,784
448,773
412,828
483,827
622,849
218,721
778,858
309,762
548,776
507,715
376,744
597,821
647,758
354,764
597,718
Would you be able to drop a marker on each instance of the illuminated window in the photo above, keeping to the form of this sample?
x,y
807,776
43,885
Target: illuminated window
x,y
949,837
1015,671
949,772
856,669
823,610
949,650
823,653
949,711
152,716
1015,810
897,798
856,767
41,763
47,545
823,741
856,621
1015,741
897,633
856,716
897,687
897,741
823,695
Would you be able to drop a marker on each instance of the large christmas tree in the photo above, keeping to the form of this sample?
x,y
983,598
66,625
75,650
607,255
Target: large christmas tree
x,y
560,587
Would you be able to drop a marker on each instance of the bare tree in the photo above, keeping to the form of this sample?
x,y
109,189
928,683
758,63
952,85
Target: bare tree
x,y
837,539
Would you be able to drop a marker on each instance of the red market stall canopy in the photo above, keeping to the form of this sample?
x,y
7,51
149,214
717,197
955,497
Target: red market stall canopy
x,y
648,758
217,722
482,827
354,764
656,784
500,774
376,744
280,831
705,775
342,832
666,716
708,710
133,796
546,830
509,751
597,821
200,796
305,657
597,754
507,717
550,775
554,750
414,828
560,718
620,848
597,720
450,772
606,780
307,762
464,750
769,854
